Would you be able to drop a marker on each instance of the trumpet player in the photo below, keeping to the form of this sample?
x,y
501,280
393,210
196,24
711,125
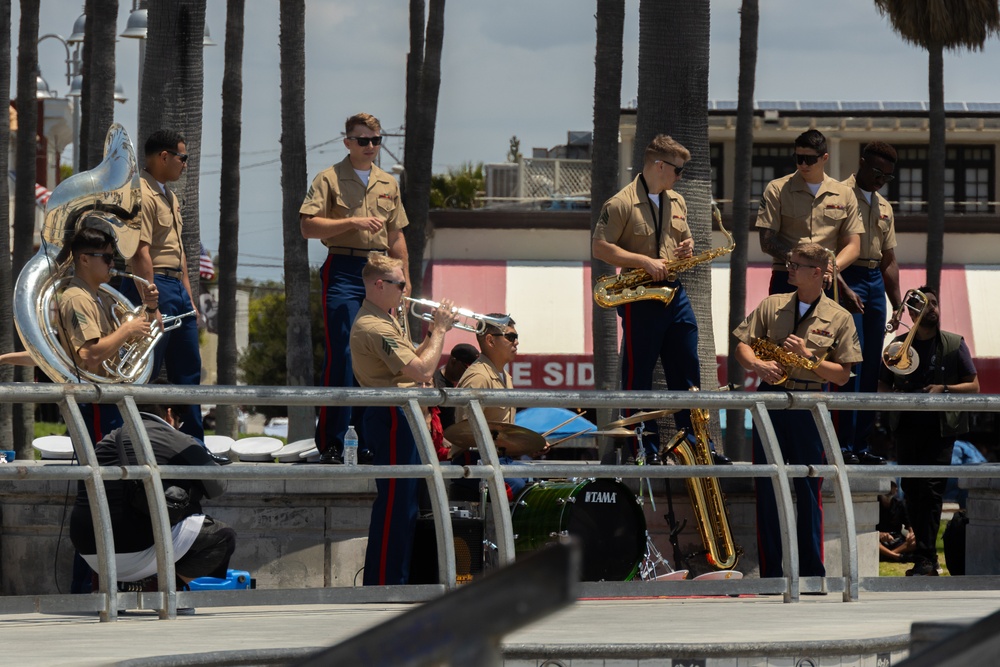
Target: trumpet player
x,y
925,437
808,325
87,330
383,356
645,226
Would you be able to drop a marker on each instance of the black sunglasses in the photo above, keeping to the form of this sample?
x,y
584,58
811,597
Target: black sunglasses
x,y
677,170
881,175
795,266
108,257
401,283
364,141
182,156
510,335
807,159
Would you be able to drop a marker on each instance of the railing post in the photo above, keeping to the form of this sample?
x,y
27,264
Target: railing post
x,y
495,483
439,499
783,499
842,491
158,515
99,510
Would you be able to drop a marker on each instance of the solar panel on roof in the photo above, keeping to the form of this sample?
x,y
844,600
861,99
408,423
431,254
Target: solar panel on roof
x,y
954,106
820,106
983,106
860,106
903,106
725,105
779,105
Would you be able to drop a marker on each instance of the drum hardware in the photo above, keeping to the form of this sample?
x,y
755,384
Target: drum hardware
x,y
639,417
654,559
510,439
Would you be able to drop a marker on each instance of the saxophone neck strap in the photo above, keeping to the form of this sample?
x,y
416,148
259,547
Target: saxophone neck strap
x,y
657,212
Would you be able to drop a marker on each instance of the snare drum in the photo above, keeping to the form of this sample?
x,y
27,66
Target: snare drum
x,y
602,513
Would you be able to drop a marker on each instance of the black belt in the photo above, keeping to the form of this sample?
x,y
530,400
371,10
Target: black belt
x,y
352,252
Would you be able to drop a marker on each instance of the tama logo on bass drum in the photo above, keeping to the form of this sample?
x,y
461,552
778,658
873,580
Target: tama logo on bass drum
x,y
606,497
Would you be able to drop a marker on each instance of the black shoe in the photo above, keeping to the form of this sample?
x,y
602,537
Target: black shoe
x,y
653,459
220,458
850,458
721,459
868,459
923,568
330,456
365,456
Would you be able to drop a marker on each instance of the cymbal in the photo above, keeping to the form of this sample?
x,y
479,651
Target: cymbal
x,y
639,417
514,440
620,432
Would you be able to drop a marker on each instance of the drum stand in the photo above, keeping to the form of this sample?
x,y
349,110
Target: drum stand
x,y
640,460
654,559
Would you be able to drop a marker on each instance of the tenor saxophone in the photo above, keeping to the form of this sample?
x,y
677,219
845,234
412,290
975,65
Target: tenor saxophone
x,y
637,285
769,351
707,500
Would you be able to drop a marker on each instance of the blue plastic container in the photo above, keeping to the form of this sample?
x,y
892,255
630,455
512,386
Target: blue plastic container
x,y
235,580
7,455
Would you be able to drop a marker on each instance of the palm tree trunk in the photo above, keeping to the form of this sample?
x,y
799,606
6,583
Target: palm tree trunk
x,y
97,99
604,177
6,276
673,99
736,443
172,97
935,167
300,365
24,192
420,136
229,208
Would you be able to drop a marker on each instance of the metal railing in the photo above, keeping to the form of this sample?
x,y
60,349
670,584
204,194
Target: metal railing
x,y
108,600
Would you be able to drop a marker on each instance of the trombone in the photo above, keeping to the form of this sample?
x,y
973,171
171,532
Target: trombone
x,y
898,356
465,319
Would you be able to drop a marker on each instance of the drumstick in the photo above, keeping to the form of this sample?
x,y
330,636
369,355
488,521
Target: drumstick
x,y
556,428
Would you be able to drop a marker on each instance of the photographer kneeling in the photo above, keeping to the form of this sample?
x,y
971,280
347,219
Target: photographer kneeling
x,y
202,545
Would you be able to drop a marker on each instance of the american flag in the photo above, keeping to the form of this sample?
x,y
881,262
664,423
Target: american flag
x,y
206,268
42,193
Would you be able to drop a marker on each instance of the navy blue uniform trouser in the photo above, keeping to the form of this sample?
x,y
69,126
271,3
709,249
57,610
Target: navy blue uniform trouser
x,y
394,514
652,331
178,349
344,291
854,426
800,444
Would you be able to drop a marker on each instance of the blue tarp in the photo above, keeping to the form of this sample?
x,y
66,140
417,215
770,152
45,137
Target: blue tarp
x,y
542,420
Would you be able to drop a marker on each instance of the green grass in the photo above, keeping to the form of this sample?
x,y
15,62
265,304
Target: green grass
x,y
49,428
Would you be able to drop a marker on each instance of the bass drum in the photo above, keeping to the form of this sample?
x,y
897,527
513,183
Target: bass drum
x,y
602,513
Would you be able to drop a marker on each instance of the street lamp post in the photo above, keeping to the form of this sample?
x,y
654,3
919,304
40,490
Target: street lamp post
x,y
72,72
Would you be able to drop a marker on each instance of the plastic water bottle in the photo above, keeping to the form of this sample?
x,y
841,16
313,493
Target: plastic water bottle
x,y
351,447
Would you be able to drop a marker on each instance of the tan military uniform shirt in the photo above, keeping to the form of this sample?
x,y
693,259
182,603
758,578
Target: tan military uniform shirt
x,y
880,227
482,374
84,316
627,221
161,225
379,349
338,193
829,327
789,208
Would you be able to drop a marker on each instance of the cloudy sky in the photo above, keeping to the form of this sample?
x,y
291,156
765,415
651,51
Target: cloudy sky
x,y
521,67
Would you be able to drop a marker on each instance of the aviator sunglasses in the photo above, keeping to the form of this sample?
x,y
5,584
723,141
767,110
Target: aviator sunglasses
x,y
364,141
806,159
108,257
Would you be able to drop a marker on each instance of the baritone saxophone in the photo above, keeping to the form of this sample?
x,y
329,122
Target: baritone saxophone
x,y
707,500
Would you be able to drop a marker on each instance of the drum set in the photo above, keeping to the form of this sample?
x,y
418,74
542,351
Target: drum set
x,y
603,514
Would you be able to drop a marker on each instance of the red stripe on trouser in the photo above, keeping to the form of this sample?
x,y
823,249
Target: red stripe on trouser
x,y
387,522
98,433
629,358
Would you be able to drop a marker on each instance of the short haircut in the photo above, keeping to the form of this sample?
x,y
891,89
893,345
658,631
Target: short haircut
x,y
366,119
157,409
663,146
814,252
88,239
465,353
379,266
927,289
163,140
494,330
813,139
880,149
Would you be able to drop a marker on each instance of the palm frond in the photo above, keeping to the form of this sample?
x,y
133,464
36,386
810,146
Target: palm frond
x,y
954,24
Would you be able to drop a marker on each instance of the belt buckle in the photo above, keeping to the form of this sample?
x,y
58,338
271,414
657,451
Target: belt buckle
x,y
873,263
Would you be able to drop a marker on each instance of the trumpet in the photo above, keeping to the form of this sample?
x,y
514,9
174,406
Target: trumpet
x,y
465,319
898,356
